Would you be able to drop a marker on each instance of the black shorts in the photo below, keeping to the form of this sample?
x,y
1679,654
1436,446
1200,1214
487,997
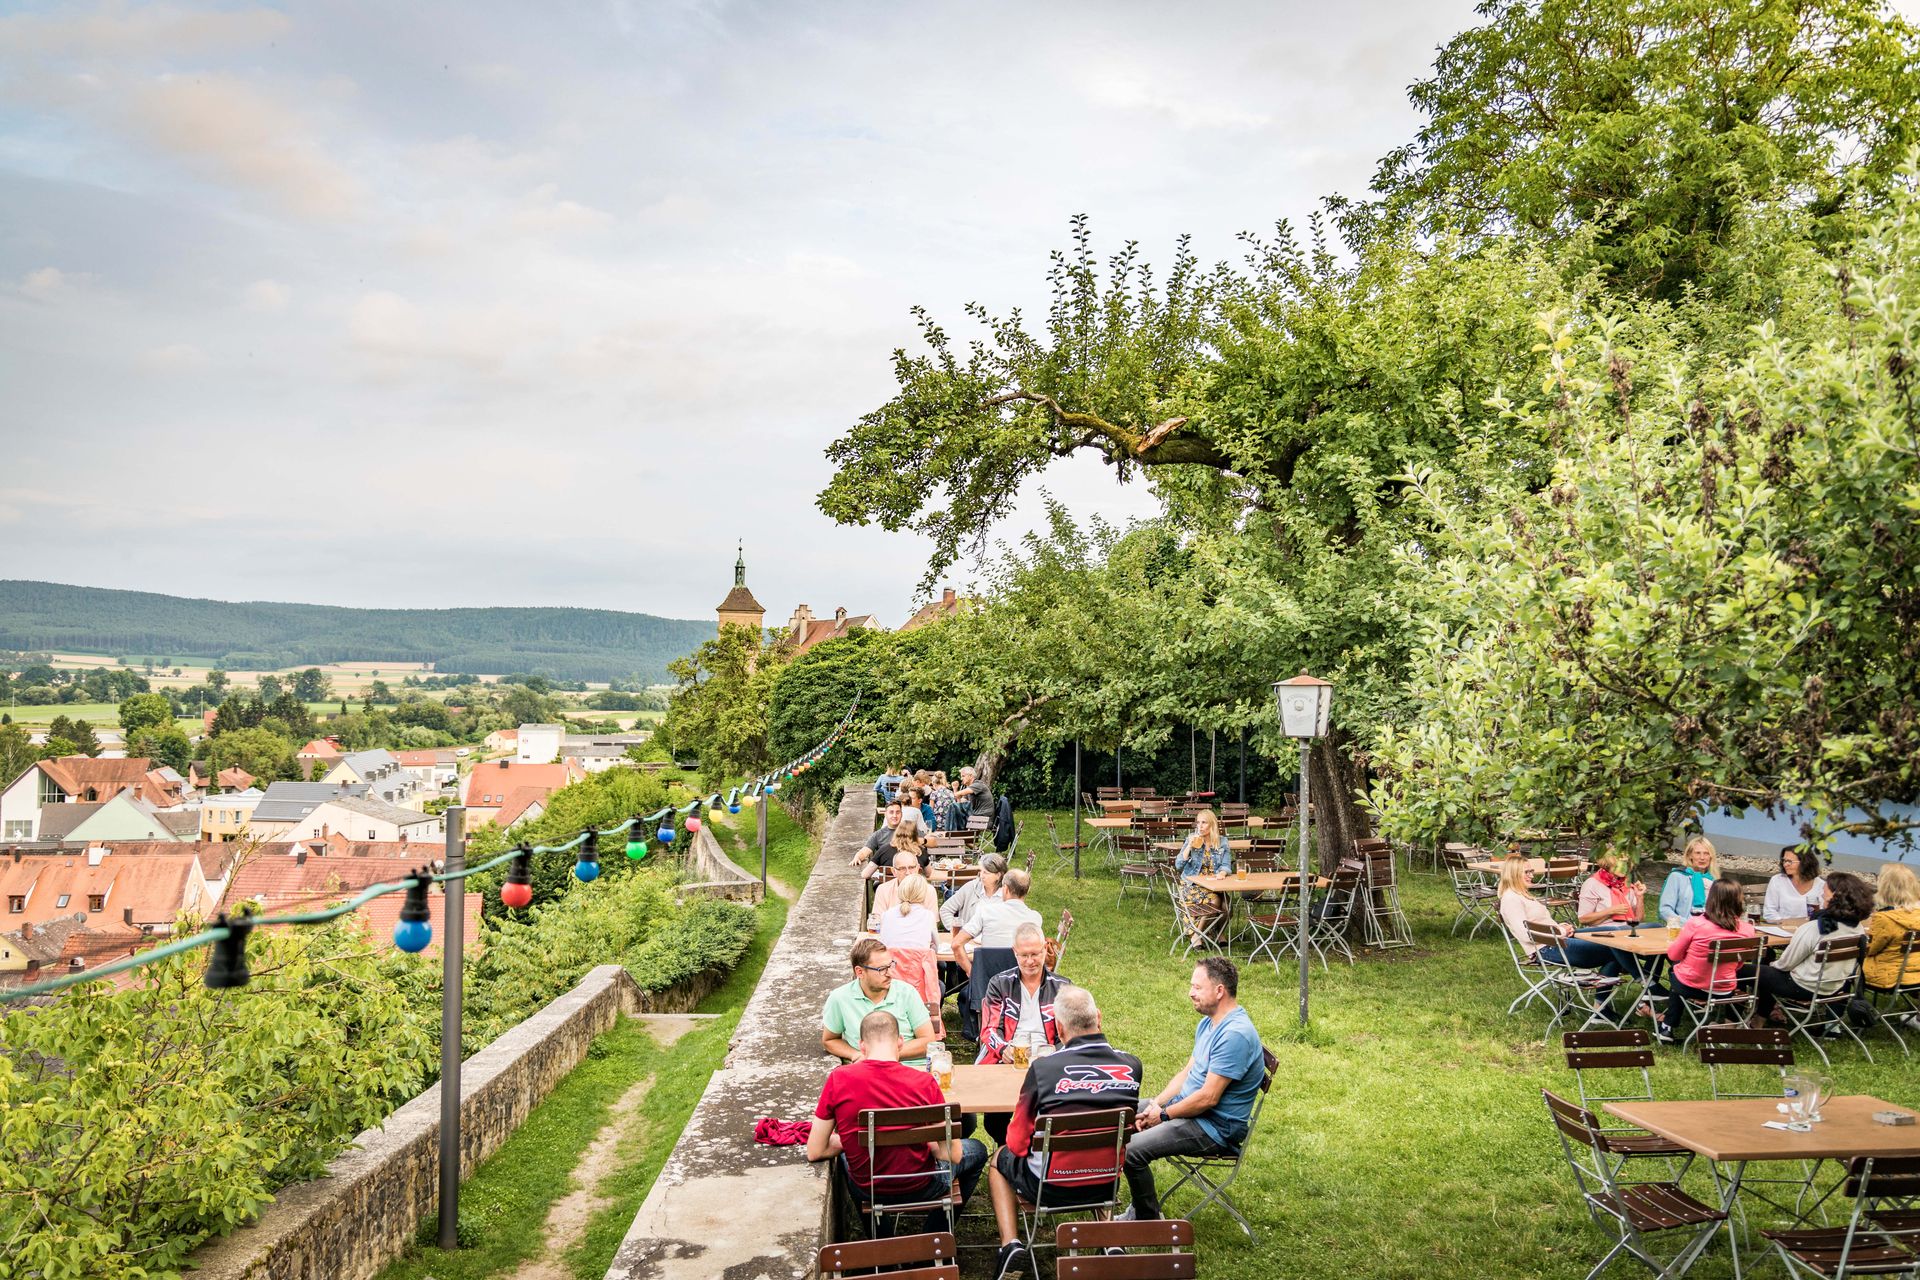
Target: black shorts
x,y
1016,1170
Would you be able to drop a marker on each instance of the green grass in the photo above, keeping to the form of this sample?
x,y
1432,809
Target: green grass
x,y
505,1202
1405,1135
40,717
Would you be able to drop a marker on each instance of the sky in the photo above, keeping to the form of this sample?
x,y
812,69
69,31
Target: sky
x,y
490,303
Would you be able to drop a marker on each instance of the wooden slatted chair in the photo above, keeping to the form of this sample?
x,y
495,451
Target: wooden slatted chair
x,y
1063,850
1474,896
1385,922
1233,817
1107,1250
1599,1060
1213,1175
1057,945
1534,977
1742,1047
1136,863
1634,1214
1813,1018
1902,998
1108,793
893,1194
1559,888
924,1257
1333,914
1584,992
1142,793
1734,1004
1882,1235
1100,1138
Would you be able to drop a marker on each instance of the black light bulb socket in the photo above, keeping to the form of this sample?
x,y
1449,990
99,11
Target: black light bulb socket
x,y
520,870
414,908
589,851
228,967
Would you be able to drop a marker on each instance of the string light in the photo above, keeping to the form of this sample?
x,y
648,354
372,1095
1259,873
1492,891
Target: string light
x,y
415,929
517,892
586,864
228,966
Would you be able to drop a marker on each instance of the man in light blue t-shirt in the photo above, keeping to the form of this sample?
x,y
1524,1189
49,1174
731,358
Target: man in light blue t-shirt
x,y
1205,1110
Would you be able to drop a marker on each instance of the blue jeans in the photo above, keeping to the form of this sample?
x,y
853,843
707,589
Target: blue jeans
x,y
1182,1137
973,1159
1583,954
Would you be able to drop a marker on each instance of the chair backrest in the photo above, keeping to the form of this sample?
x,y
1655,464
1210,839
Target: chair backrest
x,y
1233,811
1909,971
978,821
1142,793
936,1252
1581,1141
1108,793
1721,1045
1083,1245
1884,1177
1256,862
1622,1049
1100,1135
1132,843
1059,944
880,1128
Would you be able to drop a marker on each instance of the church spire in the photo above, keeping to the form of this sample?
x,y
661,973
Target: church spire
x,y
740,566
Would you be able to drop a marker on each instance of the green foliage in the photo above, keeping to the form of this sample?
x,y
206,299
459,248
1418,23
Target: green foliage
x,y
138,1123
261,752
76,737
1665,123
1717,600
600,800
17,753
145,711
168,745
586,644
719,712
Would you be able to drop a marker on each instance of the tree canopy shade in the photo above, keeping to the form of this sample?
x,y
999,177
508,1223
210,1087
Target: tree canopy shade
x,y
1716,602
1663,122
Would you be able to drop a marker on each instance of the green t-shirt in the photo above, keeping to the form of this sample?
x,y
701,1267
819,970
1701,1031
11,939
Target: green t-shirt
x,y
848,1006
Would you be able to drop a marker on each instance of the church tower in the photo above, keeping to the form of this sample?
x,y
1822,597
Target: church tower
x,y
740,609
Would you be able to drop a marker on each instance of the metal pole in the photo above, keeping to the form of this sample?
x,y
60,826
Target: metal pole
x,y
1116,768
1306,894
762,806
1243,764
1076,808
453,902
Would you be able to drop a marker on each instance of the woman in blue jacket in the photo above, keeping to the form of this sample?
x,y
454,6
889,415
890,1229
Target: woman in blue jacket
x,y
1685,893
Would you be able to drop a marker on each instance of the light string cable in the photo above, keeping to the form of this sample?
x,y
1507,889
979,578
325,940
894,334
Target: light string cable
x,y
414,933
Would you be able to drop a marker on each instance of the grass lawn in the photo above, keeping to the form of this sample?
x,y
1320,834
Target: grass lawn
x,y
1405,1135
505,1202
107,713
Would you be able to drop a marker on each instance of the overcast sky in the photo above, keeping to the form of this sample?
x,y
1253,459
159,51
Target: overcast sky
x,y
475,303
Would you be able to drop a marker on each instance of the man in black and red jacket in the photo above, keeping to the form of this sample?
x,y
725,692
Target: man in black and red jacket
x,y
1084,1074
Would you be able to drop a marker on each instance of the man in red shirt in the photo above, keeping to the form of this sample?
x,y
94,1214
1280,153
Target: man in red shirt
x,y
878,1080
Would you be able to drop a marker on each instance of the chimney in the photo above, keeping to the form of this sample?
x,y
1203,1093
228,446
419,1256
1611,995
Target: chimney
x,y
94,855
839,617
503,764
126,918
26,935
946,598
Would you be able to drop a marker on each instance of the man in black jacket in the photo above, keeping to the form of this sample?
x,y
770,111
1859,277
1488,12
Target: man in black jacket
x,y
1084,1074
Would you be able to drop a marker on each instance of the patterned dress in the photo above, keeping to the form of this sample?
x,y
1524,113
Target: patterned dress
x,y
1205,912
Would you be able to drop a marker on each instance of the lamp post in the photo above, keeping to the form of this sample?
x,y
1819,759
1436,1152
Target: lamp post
x,y
1303,703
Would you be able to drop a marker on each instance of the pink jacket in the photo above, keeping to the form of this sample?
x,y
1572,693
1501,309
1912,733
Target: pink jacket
x,y
1688,951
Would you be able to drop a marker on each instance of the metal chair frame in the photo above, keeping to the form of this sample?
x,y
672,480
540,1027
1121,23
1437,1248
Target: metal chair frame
x,y
1202,1171
1570,989
1135,863
1327,926
1064,1131
1811,1018
1889,1238
1902,999
1622,1050
1745,954
1384,922
1532,973
1478,900
881,1128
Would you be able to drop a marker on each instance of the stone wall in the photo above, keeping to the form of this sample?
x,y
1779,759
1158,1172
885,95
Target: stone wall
x,y
715,873
360,1216
724,1206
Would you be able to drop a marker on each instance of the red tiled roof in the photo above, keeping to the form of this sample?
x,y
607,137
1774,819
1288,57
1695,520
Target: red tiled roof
x,y
501,778
937,610
153,885
236,777
380,916
820,630
518,801
277,877
321,748
108,778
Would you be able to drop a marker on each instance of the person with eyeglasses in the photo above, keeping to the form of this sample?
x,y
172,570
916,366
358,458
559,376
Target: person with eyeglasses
x,y
873,988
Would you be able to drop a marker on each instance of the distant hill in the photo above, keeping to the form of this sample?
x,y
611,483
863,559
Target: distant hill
x,y
568,644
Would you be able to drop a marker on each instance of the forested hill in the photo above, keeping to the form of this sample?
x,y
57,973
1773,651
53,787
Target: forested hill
x,y
572,644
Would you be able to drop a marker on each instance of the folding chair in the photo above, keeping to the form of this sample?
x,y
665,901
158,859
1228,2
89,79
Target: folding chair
x,y
1571,990
1099,1139
1205,1171
1233,817
1476,899
1108,793
925,1257
878,1129
1732,1005
1633,1213
1330,918
1813,1018
1622,1051
1057,946
1103,1250
1142,793
1882,1235
1276,927
1136,863
1560,888
1533,975
1188,926
1385,924
1062,849
1722,1047
1902,999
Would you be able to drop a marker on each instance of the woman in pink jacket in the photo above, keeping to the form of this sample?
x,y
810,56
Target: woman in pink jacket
x,y
1724,917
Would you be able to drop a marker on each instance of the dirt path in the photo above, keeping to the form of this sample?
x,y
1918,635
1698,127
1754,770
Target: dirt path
x,y
567,1219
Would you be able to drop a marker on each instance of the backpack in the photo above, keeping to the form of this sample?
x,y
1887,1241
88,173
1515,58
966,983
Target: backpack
x,y
1003,828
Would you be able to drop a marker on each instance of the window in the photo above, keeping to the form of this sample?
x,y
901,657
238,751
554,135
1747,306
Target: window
x,y
16,903
20,829
62,900
50,792
96,902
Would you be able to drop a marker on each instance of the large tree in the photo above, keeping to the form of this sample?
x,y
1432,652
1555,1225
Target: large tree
x,y
719,710
1663,122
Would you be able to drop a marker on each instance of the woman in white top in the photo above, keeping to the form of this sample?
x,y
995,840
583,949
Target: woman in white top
x,y
1519,908
907,928
1797,975
1798,891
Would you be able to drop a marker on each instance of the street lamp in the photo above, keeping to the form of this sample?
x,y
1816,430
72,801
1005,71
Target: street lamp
x,y
1303,703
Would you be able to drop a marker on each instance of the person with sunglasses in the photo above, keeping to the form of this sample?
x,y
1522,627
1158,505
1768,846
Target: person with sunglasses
x,y
873,988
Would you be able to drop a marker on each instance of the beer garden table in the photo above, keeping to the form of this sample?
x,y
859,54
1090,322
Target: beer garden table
x,y
992,1089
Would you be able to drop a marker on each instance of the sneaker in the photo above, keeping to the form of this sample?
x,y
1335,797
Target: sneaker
x,y
1015,1257
1664,1034
1127,1216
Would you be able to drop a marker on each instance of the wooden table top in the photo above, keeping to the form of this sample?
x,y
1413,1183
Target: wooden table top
x,y
986,1090
1108,824
1255,882
1652,940
1174,846
1535,865
1729,1129
942,942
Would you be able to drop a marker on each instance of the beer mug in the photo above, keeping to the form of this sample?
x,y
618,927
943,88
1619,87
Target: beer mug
x,y
1240,872
1020,1051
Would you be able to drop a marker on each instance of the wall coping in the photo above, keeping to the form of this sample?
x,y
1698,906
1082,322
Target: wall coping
x,y
724,1206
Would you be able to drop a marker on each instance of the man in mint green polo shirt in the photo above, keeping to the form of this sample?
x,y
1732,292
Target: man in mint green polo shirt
x,y
873,988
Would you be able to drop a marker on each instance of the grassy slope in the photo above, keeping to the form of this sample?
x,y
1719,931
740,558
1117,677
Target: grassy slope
x,y
1405,1136
505,1202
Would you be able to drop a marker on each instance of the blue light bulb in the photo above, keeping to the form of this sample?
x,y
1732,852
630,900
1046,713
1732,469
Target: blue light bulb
x,y
733,808
665,833
585,871
412,935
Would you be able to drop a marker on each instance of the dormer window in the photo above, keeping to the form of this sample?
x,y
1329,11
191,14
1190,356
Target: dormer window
x,y
96,902
16,903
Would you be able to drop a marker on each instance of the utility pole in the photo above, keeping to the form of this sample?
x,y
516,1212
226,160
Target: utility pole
x,y
453,958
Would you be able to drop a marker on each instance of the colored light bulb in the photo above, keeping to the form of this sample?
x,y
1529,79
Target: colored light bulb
x,y
693,823
415,929
517,892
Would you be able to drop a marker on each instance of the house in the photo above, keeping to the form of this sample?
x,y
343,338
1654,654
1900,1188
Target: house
x,y
365,818
804,631
121,818
502,740
234,778
434,768
597,753
226,817
304,873
379,771
492,786
284,804
947,606
324,752
380,916
539,743
144,891
82,780
30,948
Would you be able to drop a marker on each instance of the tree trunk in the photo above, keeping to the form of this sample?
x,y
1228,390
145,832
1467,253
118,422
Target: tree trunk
x,y
988,765
1335,781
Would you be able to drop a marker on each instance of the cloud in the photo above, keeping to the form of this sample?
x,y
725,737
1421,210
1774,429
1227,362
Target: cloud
x,y
266,296
146,31
400,336
541,213
1189,106
175,357
48,284
233,133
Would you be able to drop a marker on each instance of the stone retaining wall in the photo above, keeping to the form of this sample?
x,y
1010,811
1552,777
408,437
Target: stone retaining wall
x,y
715,873
360,1216
723,1206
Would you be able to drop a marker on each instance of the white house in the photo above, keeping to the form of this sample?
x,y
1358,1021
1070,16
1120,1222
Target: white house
x,y
364,818
379,771
539,743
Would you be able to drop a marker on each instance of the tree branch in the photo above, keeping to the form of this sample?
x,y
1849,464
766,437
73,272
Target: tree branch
x,y
1153,447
